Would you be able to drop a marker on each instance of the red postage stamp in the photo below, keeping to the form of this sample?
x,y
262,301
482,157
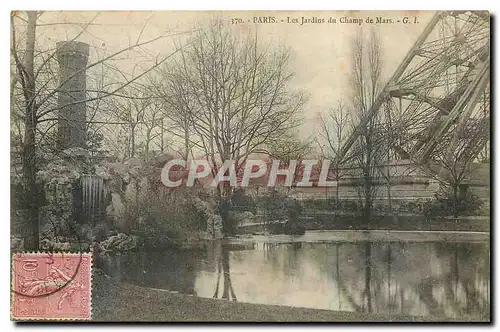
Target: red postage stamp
x,y
51,286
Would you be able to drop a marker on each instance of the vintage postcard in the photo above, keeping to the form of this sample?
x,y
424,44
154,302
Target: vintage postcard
x,y
250,166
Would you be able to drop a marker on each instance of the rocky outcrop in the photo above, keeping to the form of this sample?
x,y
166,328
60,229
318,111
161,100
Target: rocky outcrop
x,y
119,243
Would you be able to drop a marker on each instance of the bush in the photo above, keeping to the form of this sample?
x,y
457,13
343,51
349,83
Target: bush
x,y
238,217
349,206
444,204
99,232
319,204
381,208
170,220
294,210
329,204
242,202
224,207
292,225
274,205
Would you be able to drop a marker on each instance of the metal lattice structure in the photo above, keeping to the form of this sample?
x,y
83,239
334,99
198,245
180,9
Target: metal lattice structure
x,y
438,99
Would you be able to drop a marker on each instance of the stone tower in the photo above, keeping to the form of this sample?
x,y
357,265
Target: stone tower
x,y
72,57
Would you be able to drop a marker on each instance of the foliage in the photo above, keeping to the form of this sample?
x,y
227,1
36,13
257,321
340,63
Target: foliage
x,y
169,220
294,210
330,204
243,202
293,225
94,141
420,206
157,216
100,232
238,217
445,204
273,203
319,204
440,205
281,213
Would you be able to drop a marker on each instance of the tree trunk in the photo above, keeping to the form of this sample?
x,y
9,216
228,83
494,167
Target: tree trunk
x,y
455,201
368,276
186,143
132,142
148,141
162,148
225,206
29,168
389,198
368,206
337,178
337,203
337,192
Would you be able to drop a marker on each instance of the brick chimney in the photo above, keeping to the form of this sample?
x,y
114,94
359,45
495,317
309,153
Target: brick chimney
x,y
72,57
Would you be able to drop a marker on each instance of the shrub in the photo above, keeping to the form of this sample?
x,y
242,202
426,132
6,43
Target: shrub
x,y
99,232
381,208
445,204
274,205
243,202
320,204
294,210
349,206
292,225
169,220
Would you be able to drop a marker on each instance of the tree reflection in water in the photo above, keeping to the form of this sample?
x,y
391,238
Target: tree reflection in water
x,y
408,278
455,284
223,269
171,270
368,276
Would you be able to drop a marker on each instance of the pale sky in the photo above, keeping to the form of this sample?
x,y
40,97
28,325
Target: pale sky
x,y
319,50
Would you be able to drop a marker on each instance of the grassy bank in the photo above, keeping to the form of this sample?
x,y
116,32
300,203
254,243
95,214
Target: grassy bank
x,y
113,302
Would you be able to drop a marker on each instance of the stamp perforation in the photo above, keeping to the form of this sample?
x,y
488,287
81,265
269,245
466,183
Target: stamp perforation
x,y
78,275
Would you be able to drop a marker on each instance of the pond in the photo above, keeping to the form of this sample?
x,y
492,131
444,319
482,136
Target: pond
x,y
433,274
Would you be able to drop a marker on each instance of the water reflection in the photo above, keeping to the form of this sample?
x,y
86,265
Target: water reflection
x,y
429,279
173,271
223,266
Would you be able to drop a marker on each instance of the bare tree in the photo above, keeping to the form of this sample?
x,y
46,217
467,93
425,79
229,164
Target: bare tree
x,y
39,90
234,95
290,147
334,132
153,118
172,91
369,149
455,161
387,173
129,109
